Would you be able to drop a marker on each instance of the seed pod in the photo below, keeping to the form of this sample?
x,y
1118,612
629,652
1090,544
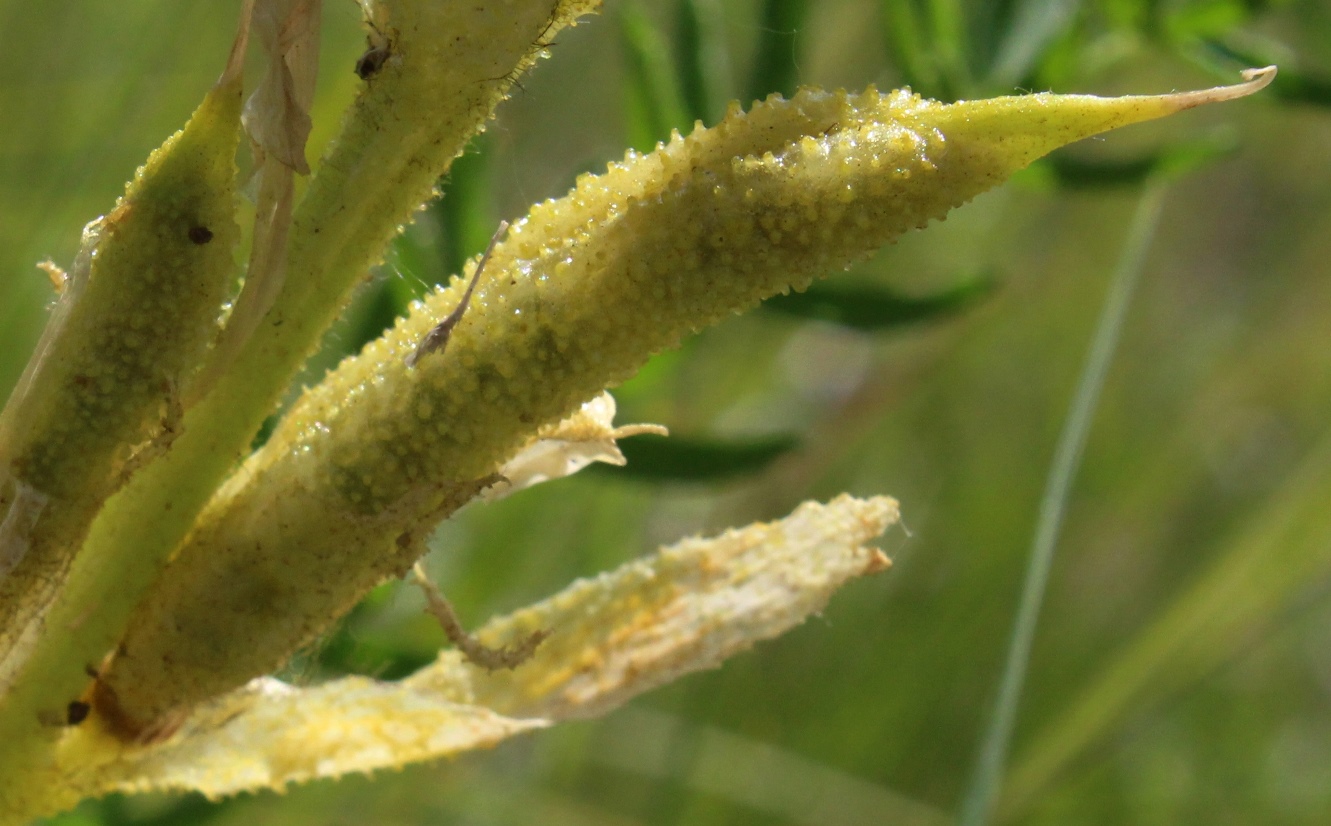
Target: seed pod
x,y
452,63
580,293
96,400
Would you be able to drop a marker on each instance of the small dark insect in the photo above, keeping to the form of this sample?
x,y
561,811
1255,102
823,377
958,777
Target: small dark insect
x,y
372,61
200,235
379,47
438,336
77,712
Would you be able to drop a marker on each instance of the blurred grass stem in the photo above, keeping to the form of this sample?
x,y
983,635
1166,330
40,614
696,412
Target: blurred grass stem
x,y
985,781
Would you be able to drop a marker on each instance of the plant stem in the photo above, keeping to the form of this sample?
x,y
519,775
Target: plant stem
x,y
990,764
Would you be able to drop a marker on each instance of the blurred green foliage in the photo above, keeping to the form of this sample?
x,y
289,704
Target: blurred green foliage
x,y
1183,667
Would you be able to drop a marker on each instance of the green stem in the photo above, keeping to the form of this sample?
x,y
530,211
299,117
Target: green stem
x,y
990,764
1245,593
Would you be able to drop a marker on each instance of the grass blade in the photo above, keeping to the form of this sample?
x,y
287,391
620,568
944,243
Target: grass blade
x,y
1034,26
873,308
985,781
706,76
1278,555
654,104
776,66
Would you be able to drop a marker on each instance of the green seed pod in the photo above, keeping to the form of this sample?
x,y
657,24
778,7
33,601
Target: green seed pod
x,y
447,66
434,73
578,296
99,398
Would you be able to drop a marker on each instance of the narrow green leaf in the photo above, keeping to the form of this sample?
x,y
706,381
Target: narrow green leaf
x,y
379,310
354,649
986,780
1208,18
1274,556
927,40
683,459
706,77
875,308
654,104
1033,25
655,378
950,43
907,47
467,215
776,66
1072,172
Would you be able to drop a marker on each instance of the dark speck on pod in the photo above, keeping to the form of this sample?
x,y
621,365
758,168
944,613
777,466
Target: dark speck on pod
x,y
372,61
379,47
200,235
77,712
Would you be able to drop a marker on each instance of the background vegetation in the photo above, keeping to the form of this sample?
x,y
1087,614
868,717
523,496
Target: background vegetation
x,y
1200,522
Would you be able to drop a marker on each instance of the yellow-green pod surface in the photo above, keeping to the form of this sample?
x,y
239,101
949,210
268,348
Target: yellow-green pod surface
x,y
440,69
580,293
141,309
433,76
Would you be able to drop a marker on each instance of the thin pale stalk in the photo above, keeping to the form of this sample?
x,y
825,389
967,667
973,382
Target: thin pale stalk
x,y
1274,557
995,745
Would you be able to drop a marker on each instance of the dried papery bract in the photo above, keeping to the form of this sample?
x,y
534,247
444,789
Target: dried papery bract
x,y
685,608
562,449
277,121
581,292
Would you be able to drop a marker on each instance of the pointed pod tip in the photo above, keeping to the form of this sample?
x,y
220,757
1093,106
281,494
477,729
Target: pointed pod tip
x,y
1254,80
1262,76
